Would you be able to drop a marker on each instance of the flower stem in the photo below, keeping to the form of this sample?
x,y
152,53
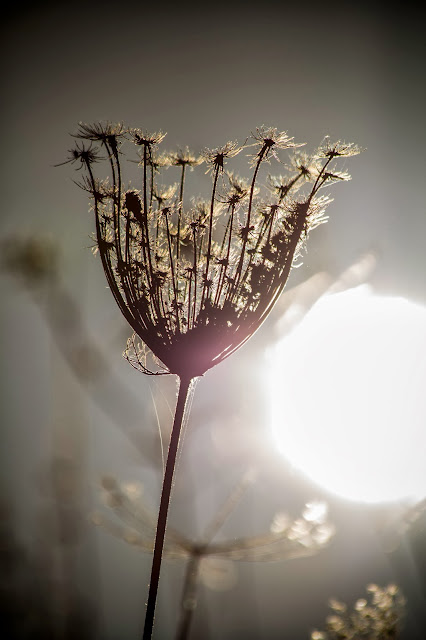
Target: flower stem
x,y
189,598
184,388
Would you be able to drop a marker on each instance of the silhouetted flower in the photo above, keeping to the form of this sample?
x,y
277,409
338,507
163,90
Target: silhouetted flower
x,y
102,132
337,149
144,138
215,158
194,294
184,157
86,155
270,140
191,293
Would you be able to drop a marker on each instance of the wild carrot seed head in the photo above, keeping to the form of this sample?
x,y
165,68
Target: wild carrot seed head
x,y
196,281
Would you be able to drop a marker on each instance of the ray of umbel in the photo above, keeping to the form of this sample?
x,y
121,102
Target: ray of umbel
x,y
195,282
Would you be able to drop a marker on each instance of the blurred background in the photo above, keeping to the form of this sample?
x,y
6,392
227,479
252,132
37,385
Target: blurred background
x,y
74,412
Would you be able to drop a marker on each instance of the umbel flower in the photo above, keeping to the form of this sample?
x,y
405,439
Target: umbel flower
x,y
208,562
287,538
195,282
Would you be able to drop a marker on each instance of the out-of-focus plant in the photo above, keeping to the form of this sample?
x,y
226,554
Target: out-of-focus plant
x,y
377,618
195,283
208,562
34,260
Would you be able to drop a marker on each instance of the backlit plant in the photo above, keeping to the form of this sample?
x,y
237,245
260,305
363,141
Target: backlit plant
x,y
195,282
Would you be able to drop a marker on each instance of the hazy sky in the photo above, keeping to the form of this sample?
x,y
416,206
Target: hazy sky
x,y
207,73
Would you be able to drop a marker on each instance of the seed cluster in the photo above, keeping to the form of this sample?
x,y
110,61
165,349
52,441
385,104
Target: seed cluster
x,y
196,280
378,618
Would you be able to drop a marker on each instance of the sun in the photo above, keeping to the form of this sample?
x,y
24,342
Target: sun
x,y
348,398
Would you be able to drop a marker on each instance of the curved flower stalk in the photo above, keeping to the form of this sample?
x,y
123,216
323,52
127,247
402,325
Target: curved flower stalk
x,y
195,283
287,539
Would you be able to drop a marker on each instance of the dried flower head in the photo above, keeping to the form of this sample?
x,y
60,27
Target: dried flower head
x,y
195,283
215,158
129,518
184,157
337,149
85,155
145,138
269,139
376,619
101,132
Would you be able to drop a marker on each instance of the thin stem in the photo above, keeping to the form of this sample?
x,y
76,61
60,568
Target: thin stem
x,y
262,153
189,593
194,270
145,217
184,388
209,246
189,598
182,181
225,265
172,269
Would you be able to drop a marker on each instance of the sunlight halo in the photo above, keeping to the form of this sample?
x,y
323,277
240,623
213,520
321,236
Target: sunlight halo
x,y
347,396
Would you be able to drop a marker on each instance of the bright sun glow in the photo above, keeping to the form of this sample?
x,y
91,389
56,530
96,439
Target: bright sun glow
x,y
348,396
